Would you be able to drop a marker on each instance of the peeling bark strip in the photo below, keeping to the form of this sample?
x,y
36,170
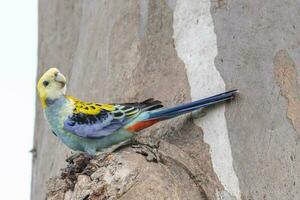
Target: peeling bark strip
x,y
196,45
287,79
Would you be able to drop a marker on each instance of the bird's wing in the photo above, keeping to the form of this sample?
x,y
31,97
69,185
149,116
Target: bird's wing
x,y
91,120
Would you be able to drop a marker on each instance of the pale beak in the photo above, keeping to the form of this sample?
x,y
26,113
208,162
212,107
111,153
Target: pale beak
x,y
60,79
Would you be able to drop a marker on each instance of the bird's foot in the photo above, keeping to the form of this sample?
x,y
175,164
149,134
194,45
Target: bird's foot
x,y
147,147
77,156
102,155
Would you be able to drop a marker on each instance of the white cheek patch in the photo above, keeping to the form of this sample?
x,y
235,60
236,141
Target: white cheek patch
x,y
64,89
55,91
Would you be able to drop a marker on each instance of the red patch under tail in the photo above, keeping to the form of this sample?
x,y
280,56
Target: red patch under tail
x,y
142,125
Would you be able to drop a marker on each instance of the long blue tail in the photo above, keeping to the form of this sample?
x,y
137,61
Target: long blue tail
x,y
168,113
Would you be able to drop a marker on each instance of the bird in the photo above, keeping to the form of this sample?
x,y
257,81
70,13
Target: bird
x,y
94,127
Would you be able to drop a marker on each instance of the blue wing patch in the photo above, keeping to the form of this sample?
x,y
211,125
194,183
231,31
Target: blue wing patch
x,y
106,122
93,126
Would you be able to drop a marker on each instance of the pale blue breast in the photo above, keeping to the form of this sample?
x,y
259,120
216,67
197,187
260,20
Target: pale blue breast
x,y
56,113
59,111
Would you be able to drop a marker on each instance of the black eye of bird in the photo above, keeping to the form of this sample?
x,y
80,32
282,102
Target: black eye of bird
x,y
56,73
45,83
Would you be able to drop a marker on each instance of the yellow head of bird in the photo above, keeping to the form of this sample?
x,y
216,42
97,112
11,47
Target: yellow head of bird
x,y
51,86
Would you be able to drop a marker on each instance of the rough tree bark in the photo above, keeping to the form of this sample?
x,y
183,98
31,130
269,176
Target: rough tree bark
x,y
117,51
176,51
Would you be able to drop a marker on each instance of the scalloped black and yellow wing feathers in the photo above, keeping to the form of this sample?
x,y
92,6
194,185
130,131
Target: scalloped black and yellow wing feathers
x,y
93,120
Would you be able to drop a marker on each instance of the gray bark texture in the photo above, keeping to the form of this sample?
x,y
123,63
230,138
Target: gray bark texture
x,y
131,50
112,51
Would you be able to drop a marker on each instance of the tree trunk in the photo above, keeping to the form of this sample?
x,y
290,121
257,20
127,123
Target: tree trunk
x,y
177,51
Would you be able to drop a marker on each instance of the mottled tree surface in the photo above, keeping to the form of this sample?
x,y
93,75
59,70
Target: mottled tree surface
x,y
119,51
176,51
